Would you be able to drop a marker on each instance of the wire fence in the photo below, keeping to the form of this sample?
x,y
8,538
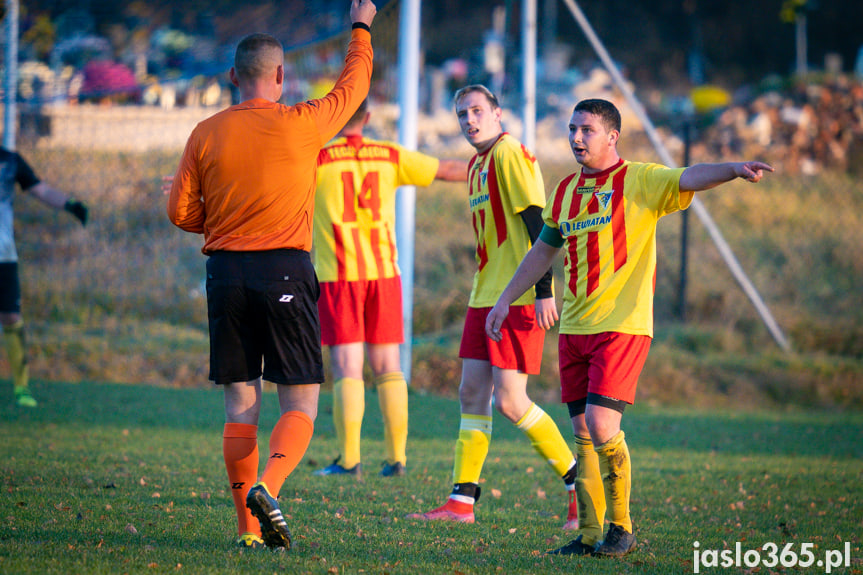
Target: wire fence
x,y
112,149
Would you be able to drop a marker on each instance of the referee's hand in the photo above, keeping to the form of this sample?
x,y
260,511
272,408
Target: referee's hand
x,y
363,11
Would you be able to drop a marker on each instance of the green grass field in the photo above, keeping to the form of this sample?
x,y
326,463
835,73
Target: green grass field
x,y
129,479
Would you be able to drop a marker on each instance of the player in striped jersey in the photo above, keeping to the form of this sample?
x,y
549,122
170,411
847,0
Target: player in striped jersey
x,y
605,216
355,259
506,196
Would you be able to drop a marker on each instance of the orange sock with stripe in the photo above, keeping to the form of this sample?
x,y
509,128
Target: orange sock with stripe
x,y
288,444
240,450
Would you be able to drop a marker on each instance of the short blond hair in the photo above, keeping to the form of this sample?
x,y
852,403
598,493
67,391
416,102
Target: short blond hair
x,y
492,99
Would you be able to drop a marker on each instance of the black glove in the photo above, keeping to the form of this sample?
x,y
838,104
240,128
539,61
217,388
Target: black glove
x,y
77,209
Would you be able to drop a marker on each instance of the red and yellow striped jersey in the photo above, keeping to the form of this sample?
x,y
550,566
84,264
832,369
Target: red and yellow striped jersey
x,y
502,182
355,206
608,224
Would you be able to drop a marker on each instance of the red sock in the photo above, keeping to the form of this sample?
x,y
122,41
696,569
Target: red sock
x,y
240,450
288,444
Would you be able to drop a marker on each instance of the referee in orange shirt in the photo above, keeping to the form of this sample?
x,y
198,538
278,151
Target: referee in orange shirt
x,y
246,181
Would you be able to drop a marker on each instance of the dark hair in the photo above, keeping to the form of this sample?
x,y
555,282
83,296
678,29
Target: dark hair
x,y
492,99
606,111
257,54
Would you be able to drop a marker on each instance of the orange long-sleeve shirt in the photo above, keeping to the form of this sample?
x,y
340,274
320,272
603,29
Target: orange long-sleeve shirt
x,y
247,176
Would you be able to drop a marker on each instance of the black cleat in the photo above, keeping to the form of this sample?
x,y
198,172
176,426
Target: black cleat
x,y
618,542
265,508
574,547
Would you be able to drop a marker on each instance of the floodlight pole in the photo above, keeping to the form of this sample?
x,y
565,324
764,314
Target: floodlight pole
x,y
408,65
800,44
688,128
697,206
528,74
10,84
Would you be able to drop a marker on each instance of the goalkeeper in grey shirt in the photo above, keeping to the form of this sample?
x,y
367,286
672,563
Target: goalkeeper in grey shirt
x,y
14,169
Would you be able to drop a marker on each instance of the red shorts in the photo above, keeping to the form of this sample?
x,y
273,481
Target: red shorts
x,y
520,348
604,363
361,311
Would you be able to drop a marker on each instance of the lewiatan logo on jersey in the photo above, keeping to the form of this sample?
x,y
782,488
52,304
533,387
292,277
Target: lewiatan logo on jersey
x,y
569,227
477,200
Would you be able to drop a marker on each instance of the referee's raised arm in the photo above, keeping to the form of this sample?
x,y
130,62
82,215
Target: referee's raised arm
x,y
352,87
363,12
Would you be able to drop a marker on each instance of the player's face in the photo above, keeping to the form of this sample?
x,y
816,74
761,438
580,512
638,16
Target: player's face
x,y
593,146
479,123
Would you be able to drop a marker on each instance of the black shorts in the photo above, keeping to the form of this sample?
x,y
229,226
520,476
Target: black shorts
x,y
263,306
10,288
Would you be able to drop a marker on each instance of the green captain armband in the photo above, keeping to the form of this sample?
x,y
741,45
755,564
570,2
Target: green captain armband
x,y
551,236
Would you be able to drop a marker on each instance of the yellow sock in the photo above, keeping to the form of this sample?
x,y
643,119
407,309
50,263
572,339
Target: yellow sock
x,y
546,439
590,492
616,471
393,399
349,405
16,348
471,449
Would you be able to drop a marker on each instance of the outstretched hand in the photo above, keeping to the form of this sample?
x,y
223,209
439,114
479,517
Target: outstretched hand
x,y
363,11
753,171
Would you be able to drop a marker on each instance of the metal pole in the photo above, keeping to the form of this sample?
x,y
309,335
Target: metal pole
x,y
528,74
549,18
697,206
409,59
684,227
10,111
800,40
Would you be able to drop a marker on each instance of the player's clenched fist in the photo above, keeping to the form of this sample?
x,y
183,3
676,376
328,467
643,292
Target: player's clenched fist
x,y
363,11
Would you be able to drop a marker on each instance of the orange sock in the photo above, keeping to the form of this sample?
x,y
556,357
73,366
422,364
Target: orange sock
x,y
240,450
288,444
